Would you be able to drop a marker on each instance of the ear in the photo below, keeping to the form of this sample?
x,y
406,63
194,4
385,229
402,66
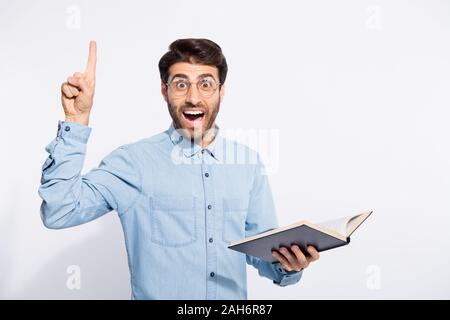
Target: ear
x,y
164,90
222,92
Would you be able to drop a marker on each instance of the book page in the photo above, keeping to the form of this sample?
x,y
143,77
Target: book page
x,y
356,221
337,225
347,225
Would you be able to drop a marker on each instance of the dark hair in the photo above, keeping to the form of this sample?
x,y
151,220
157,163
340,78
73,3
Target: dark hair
x,y
201,51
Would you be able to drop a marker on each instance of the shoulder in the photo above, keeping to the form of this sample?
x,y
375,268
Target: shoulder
x,y
138,146
136,151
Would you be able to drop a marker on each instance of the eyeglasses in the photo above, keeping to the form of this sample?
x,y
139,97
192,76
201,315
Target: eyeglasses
x,y
180,86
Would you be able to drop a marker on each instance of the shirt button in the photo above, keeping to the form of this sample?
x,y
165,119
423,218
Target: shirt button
x,y
211,274
207,174
209,207
67,129
203,151
211,240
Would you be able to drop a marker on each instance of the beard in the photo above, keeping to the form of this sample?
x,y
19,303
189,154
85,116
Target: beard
x,y
197,133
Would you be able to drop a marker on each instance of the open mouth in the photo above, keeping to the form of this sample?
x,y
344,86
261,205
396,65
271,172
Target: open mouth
x,y
193,116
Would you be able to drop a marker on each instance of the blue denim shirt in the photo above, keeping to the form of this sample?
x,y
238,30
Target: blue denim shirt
x,y
180,205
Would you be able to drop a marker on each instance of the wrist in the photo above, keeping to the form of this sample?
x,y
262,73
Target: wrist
x,y
81,119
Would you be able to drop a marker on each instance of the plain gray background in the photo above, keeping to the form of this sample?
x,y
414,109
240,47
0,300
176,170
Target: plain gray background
x,y
358,91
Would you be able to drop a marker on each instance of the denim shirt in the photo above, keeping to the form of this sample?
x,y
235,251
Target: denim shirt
x,y
179,204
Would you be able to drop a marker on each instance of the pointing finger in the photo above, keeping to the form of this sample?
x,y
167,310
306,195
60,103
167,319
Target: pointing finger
x,y
92,60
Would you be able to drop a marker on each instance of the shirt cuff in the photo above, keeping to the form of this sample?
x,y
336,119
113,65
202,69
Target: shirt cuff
x,y
73,130
287,277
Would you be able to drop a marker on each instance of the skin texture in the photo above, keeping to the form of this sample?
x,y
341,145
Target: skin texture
x,y
201,133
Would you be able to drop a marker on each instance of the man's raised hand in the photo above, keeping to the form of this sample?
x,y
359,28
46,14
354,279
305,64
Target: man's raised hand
x,y
77,93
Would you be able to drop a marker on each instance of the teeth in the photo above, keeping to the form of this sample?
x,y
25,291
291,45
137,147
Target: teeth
x,y
193,112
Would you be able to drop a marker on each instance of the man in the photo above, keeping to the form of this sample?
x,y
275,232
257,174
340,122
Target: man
x,y
179,197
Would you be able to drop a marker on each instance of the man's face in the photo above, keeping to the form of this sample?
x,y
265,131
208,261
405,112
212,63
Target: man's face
x,y
194,109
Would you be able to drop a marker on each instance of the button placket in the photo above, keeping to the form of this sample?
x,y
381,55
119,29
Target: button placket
x,y
211,248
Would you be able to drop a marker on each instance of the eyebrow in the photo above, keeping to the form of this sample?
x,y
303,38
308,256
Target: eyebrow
x,y
203,75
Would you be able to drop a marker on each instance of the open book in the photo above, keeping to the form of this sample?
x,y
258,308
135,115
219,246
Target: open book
x,y
323,236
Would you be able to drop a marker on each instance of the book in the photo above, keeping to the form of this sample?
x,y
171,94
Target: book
x,y
323,236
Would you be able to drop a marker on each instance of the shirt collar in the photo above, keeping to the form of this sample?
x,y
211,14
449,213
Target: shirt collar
x,y
190,148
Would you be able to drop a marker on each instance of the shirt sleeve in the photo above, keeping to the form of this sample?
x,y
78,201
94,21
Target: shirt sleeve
x,y
262,217
69,198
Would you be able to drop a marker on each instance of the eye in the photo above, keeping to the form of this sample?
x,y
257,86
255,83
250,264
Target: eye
x,y
206,84
181,85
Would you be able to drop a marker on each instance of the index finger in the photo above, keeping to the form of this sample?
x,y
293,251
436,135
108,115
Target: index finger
x,y
92,59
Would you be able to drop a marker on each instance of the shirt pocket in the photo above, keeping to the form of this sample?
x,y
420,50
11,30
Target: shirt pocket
x,y
173,220
234,217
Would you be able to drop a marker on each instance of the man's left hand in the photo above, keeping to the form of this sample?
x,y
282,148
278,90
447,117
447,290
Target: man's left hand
x,y
294,259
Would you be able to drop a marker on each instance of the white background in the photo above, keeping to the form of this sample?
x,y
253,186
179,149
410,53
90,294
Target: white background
x,y
359,91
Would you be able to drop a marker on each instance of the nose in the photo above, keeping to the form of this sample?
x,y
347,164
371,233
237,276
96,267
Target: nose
x,y
193,96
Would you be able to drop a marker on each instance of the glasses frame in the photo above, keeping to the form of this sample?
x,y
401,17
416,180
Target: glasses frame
x,y
196,84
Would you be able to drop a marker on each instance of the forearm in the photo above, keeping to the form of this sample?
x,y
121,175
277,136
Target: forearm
x,y
68,199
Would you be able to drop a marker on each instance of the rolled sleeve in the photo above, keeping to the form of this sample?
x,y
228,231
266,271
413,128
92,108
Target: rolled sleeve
x,y
70,199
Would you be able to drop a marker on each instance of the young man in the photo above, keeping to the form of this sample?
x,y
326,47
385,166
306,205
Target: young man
x,y
179,197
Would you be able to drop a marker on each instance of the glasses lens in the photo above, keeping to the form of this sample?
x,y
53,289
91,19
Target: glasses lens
x,y
206,86
179,87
